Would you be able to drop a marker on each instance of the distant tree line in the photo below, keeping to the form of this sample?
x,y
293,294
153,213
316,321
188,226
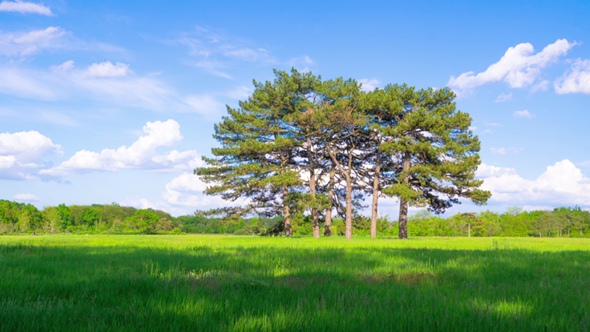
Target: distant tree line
x,y
514,222
22,218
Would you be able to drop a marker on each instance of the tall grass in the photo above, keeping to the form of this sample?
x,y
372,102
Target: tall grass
x,y
211,283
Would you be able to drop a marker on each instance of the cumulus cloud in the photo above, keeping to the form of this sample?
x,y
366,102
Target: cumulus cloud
x,y
519,67
524,114
27,43
24,7
369,84
141,154
577,80
561,184
22,153
107,69
27,146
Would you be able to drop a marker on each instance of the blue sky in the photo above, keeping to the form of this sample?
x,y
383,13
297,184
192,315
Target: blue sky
x,y
115,101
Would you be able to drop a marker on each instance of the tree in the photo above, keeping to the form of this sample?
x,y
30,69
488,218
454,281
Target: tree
x,y
381,116
437,154
345,126
258,144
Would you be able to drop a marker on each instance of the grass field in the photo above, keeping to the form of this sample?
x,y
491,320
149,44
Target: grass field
x,y
214,283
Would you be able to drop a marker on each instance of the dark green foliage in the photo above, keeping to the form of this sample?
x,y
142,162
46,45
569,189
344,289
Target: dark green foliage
x,y
436,152
257,146
277,149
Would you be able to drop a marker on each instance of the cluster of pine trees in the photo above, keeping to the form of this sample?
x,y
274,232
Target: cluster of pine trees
x,y
303,146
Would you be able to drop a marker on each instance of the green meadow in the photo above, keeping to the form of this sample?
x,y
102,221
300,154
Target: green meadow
x,y
232,283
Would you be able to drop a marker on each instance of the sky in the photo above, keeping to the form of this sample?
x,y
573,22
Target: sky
x,y
115,101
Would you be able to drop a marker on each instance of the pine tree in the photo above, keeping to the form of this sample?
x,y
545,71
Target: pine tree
x,y
436,152
258,146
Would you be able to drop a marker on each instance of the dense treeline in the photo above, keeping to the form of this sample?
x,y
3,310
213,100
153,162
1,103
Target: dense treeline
x,y
26,218
114,219
304,146
561,222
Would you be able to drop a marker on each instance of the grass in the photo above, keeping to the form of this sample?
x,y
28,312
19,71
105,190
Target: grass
x,y
212,283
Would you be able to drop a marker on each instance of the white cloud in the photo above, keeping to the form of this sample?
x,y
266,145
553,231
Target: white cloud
x,y
369,84
505,151
504,97
142,154
524,114
106,83
26,197
23,44
24,8
519,67
575,81
65,81
562,184
22,153
27,146
107,69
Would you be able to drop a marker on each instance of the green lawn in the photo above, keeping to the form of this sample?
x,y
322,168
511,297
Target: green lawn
x,y
211,283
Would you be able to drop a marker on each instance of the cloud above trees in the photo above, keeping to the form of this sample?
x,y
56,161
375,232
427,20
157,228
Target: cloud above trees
x,y
141,154
562,184
519,67
22,154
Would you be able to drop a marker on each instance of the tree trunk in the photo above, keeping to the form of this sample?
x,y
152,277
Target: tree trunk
x,y
348,207
403,204
403,219
314,211
286,213
375,205
328,221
